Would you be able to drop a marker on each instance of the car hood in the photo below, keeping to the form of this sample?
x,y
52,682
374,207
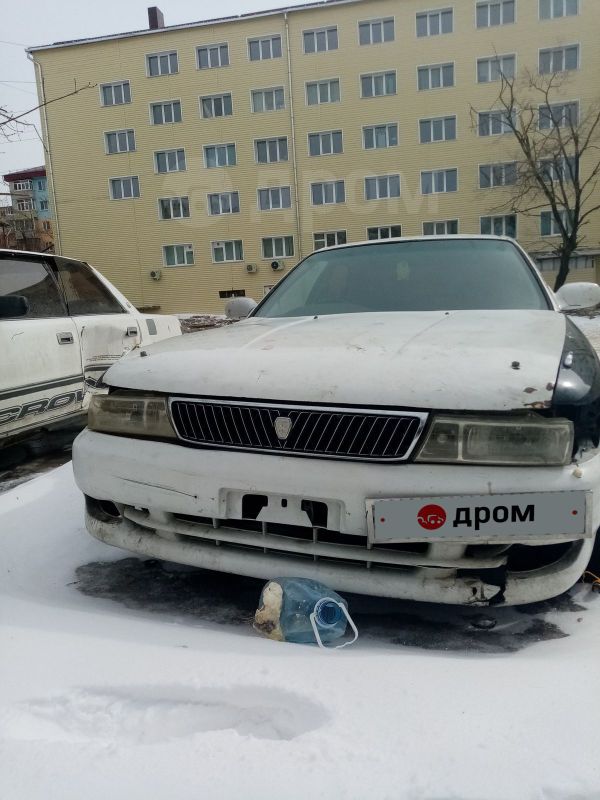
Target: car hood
x,y
461,360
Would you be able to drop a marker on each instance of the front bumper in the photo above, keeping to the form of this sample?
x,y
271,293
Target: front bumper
x,y
185,505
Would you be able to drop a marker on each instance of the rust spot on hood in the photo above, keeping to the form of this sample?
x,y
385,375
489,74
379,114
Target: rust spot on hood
x,y
529,390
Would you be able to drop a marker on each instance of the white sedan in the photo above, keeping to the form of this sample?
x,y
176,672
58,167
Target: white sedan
x,y
411,418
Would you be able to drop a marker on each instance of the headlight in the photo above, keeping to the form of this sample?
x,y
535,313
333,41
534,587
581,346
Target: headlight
x,y
503,440
130,415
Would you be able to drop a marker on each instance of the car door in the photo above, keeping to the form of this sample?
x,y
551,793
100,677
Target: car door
x,y
106,329
41,378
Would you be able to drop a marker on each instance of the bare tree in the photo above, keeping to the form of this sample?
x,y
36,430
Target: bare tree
x,y
559,157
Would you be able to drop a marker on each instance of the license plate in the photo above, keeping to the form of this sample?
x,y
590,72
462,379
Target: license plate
x,y
498,518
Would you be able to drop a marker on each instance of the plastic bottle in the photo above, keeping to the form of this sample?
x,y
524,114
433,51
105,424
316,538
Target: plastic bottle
x,y
304,611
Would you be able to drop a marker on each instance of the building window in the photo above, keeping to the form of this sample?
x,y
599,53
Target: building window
x,y
324,144
46,225
119,141
553,9
442,227
381,187
438,181
40,186
320,39
435,76
173,207
384,232
178,255
323,92
328,239
558,115
493,175
264,48
124,188
559,59
268,99
378,84
164,113
43,205
224,203
559,169
438,129
496,12
26,205
275,198
169,160
379,136
211,56
22,186
162,64
327,193
499,226
432,23
495,68
375,31
575,262
269,151
493,123
115,94
228,251
219,155
549,225
278,247
216,105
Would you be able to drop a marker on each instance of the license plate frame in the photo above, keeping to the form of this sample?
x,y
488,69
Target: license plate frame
x,y
556,516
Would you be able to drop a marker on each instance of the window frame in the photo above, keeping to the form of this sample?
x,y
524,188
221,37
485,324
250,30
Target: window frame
x,y
552,17
272,139
315,31
379,228
335,201
498,216
227,260
162,104
560,48
316,83
270,189
372,76
445,170
490,59
272,239
553,223
219,144
564,104
105,135
329,233
377,178
491,112
207,47
387,126
157,54
220,196
170,150
123,178
370,21
262,91
439,66
259,39
488,3
171,198
491,165
189,245
112,84
429,12
213,97
441,222
320,134
444,120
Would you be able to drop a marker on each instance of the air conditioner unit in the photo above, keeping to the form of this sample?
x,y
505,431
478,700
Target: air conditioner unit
x,y
156,274
250,268
277,265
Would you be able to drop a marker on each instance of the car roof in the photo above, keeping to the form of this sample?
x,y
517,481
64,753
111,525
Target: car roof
x,y
451,237
19,253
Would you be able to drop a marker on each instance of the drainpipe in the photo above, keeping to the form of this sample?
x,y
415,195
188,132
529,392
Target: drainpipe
x,y
47,148
293,129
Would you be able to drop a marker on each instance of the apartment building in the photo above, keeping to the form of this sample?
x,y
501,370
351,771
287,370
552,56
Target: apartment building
x,y
26,223
206,159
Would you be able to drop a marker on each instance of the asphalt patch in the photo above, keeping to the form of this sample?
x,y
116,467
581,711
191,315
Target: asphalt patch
x,y
188,595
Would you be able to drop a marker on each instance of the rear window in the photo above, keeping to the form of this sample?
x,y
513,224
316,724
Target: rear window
x,y
33,281
424,275
84,293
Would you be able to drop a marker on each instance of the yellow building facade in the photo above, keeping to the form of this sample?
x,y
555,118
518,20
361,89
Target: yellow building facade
x,y
203,154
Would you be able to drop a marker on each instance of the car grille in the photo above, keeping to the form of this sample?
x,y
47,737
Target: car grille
x,y
339,433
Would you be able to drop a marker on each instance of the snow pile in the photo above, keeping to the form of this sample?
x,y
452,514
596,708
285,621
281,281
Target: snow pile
x,y
125,679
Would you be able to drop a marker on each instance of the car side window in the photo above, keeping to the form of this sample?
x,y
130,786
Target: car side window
x,y
84,293
33,281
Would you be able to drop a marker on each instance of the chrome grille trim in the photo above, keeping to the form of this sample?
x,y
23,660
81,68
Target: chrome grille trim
x,y
341,433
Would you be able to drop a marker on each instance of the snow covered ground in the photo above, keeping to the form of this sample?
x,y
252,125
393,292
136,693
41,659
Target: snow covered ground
x,y
128,679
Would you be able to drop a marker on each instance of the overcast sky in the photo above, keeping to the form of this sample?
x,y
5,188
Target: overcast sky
x,y
34,22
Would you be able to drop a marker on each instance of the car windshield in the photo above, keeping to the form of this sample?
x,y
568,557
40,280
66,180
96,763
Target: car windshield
x,y
420,275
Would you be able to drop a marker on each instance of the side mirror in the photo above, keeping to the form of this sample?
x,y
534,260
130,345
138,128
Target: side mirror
x,y
13,305
240,307
573,296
